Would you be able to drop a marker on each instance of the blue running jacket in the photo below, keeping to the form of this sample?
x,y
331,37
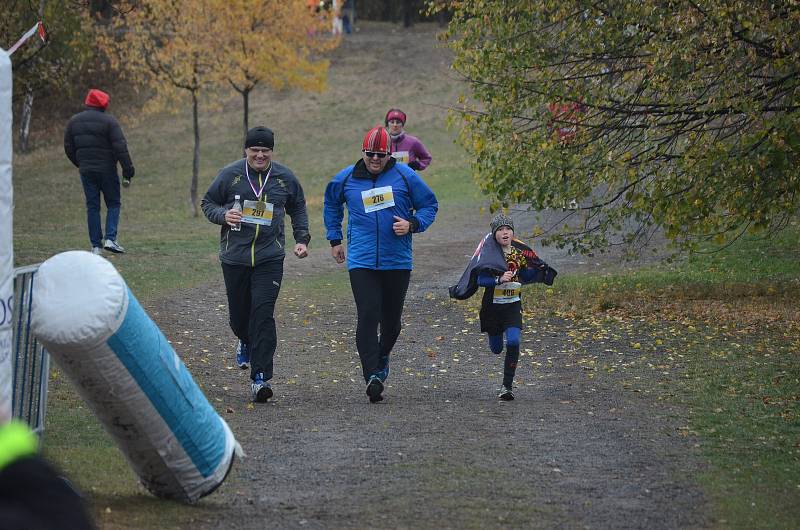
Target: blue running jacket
x,y
371,242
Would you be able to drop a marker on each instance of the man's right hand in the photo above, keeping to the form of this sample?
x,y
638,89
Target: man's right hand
x,y
126,182
338,253
233,217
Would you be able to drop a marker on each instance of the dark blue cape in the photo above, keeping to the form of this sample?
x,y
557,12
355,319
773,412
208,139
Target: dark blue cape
x,y
489,257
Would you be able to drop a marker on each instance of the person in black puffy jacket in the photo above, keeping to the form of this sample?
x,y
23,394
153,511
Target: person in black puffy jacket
x,y
94,142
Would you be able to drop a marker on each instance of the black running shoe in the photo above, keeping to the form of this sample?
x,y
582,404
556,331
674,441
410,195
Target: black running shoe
x,y
261,389
243,355
505,393
375,389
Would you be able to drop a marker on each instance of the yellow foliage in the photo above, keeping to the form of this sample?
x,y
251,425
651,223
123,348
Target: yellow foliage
x,y
172,45
164,45
279,44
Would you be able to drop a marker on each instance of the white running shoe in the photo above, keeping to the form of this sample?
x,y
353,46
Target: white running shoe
x,y
114,247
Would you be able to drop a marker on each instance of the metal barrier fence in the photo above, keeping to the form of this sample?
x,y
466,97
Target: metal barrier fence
x,y
31,361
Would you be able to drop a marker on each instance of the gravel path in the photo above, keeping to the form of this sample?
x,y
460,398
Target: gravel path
x,y
441,451
574,450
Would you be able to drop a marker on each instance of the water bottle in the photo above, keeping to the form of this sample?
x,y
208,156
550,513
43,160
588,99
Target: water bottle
x,y
237,205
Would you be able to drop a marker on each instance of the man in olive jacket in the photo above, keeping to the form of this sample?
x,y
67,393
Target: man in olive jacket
x,y
94,143
252,246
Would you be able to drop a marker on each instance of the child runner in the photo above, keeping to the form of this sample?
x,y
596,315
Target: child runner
x,y
502,265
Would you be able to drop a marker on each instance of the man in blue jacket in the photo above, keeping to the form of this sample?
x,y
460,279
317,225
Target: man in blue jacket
x,y
386,202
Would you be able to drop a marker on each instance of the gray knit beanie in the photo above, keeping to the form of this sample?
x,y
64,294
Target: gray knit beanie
x,y
501,220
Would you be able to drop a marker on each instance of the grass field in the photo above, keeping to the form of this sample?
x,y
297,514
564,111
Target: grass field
x,y
728,321
719,334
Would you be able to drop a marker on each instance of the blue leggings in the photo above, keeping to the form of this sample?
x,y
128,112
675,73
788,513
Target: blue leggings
x,y
496,341
512,353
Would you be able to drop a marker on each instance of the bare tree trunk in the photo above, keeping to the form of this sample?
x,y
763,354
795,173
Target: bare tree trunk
x,y
443,16
246,104
196,157
104,7
27,105
25,121
408,13
245,92
389,12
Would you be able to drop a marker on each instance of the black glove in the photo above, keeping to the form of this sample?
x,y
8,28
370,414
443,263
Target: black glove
x,y
127,175
415,165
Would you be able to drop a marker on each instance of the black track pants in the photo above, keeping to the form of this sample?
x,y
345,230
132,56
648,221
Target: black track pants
x,y
252,293
379,297
510,364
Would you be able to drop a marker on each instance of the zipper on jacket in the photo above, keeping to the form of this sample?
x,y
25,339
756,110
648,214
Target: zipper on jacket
x,y
255,238
253,249
377,230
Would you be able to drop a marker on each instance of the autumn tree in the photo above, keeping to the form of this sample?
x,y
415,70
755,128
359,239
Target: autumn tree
x,y
679,116
169,46
43,70
275,42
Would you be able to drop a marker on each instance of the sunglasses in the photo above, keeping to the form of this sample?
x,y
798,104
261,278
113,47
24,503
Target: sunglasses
x,y
371,154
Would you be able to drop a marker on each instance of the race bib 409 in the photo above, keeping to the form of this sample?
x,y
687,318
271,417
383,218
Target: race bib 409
x,y
507,293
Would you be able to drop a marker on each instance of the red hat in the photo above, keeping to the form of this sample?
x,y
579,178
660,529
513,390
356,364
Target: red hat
x,y
395,114
377,139
96,98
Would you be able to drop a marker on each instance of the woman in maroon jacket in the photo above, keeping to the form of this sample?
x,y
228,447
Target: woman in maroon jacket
x,y
405,148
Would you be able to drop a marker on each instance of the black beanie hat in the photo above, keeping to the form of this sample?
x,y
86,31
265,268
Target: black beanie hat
x,y
259,137
501,220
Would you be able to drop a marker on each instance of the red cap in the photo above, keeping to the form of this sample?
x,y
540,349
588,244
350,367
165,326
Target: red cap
x,y
377,139
395,114
96,98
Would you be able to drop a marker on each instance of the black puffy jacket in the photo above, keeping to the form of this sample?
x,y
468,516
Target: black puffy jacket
x,y
94,141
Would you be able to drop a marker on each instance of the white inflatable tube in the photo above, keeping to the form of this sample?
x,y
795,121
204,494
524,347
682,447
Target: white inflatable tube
x,y
123,366
6,240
